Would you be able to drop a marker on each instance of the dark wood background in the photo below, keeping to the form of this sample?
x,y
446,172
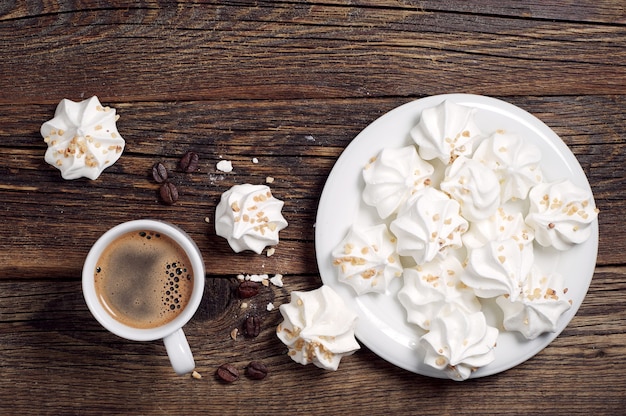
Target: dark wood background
x,y
290,83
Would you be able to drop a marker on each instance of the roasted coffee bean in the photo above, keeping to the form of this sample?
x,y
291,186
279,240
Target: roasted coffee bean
x,y
169,193
189,162
228,373
252,326
159,173
256,370
247,289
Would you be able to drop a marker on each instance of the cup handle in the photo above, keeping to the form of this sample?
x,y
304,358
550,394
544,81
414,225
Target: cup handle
x,y
179,352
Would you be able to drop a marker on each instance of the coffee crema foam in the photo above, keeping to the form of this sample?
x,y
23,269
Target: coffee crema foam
x,y
143,279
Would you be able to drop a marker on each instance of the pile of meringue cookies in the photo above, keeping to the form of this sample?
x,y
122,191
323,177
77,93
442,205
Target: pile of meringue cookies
x,y
460,213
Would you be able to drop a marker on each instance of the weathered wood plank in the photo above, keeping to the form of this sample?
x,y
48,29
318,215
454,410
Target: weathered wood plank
x,y
50,342
305,51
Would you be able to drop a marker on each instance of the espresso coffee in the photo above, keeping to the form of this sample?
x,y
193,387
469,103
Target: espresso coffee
x,y
144,279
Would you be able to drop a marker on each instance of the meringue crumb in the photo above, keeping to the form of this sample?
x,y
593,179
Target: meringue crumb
x,y
234,333
207,220
196,375
270,306
224,166
270,251
255,160
277,280
244,305
269,179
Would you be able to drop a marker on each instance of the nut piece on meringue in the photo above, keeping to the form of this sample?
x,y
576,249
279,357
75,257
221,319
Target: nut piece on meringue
x,y
318,328
428,225
430,287
446,131
249,217
82,138
539,307
459,343
561,214
474,186
515,162
366,259
393,176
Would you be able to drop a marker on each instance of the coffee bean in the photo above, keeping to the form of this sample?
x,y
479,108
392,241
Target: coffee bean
x,y
169,193
256,370
252,326
189,162
159,173
228,373
247,289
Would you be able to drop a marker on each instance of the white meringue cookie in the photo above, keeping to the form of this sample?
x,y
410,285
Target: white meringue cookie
x,y
318,328
366,259
392,177
498,268
515,162
446,131
428,225
474,186
539,307
502,225
82,138
459,343
561,214
249,217
430,287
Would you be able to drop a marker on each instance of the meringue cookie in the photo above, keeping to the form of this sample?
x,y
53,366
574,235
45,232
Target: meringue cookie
x,y
249,217
318,328
430,287
366,259
498,268
502,225
561,214
82,138
428,225
474,186
392,176
539,307
515,162
446,131
459,343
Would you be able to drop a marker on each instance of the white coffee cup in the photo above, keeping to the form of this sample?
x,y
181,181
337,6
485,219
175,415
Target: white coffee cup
x,y
171,332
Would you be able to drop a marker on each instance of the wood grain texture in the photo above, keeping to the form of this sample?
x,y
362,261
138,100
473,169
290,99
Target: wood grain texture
x,y
290,84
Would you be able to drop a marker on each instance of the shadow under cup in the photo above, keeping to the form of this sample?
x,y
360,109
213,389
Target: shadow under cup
x,y
128,235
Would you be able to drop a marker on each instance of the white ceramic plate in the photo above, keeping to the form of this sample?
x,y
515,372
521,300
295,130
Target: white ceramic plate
x,y
382,325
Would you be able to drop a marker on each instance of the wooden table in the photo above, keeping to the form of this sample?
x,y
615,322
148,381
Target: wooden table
x,y
291,84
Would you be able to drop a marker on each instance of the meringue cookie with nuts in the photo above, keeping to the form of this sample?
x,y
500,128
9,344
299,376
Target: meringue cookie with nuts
x,y
561,214
459,343
249,217
366,259
538,309
428,226
499,268
393,176
318,328
430,287
446,131
515,162
82,138
474,186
